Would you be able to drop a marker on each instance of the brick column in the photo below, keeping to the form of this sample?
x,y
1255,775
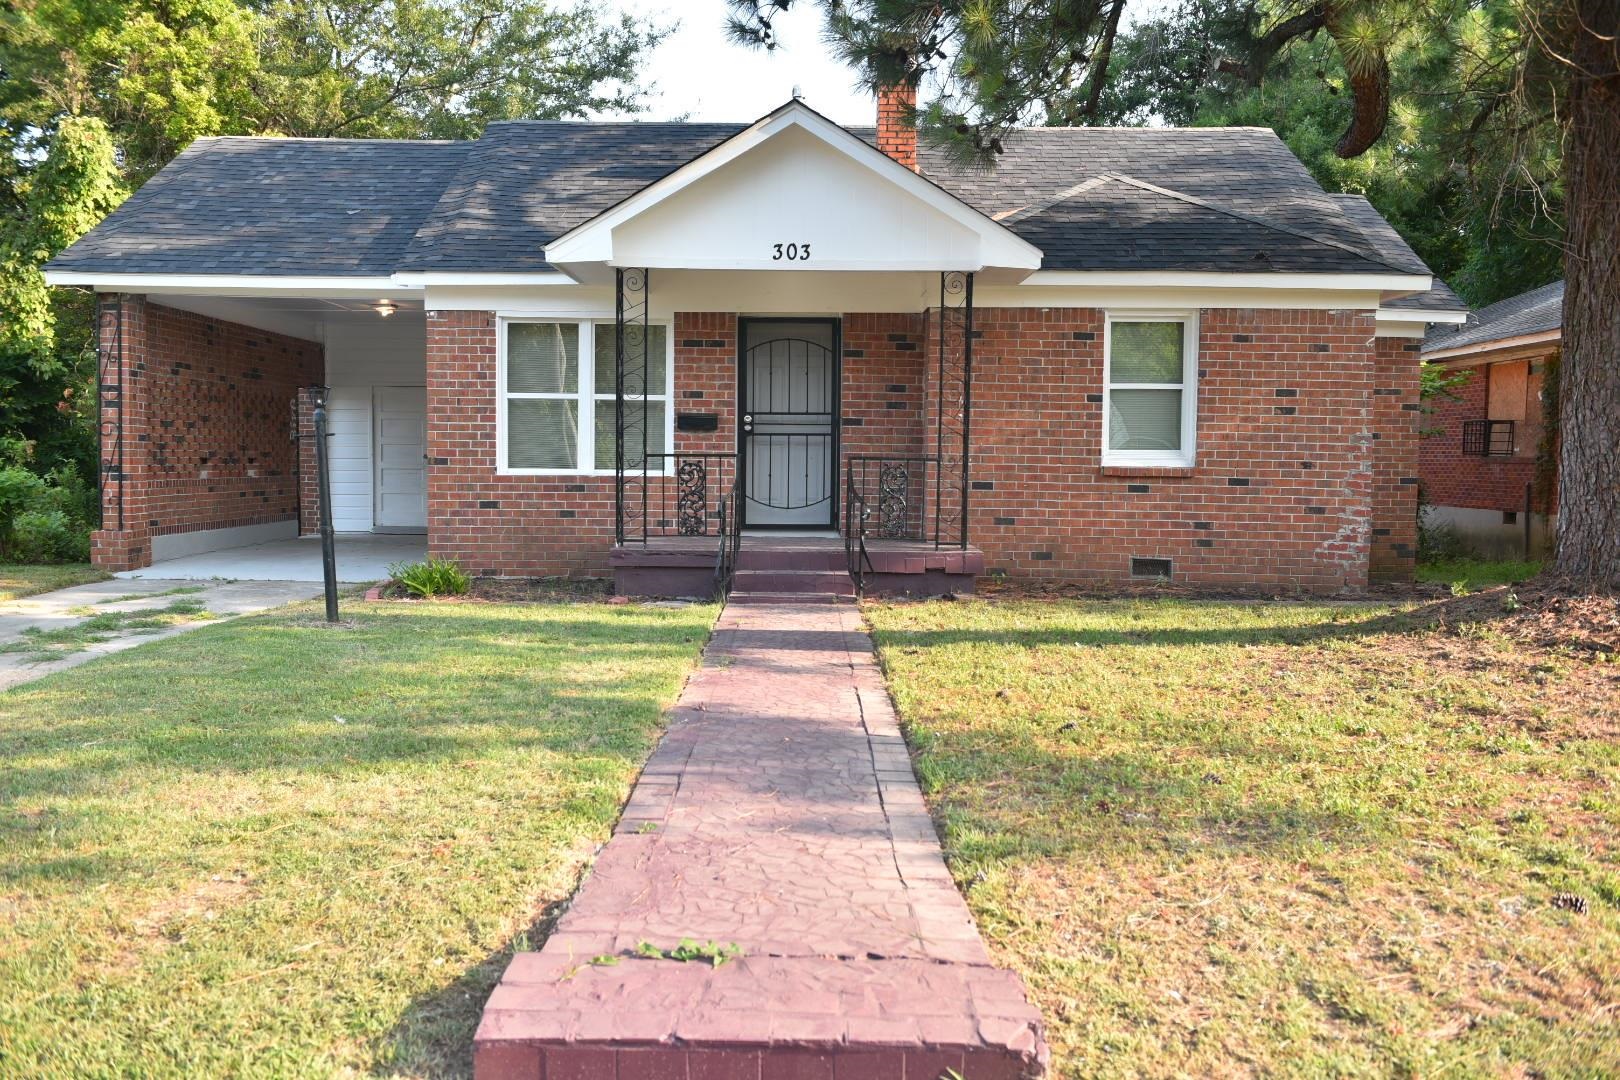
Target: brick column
x,y
1395,417
124,540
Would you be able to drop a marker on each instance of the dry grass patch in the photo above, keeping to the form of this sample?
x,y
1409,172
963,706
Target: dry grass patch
x,y
17,581
1278,838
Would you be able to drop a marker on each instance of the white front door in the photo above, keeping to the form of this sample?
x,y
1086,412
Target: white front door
x,y
399,421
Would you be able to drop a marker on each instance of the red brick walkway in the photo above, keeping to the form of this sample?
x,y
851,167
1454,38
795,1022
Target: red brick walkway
x,y
780,814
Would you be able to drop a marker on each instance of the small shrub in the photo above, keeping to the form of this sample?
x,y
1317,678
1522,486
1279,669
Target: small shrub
x,y
45,519
47,536
431,577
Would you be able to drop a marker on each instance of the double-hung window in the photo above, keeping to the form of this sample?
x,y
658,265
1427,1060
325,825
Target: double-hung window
x,y
558,409
1150,390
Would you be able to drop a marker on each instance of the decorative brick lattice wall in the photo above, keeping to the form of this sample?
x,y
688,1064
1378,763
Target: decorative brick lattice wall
x,y
206,411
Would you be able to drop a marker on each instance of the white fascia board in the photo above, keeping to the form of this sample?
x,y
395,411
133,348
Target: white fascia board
x,y
1395,329
1203,279
418,279
1385,314
592,241
229,284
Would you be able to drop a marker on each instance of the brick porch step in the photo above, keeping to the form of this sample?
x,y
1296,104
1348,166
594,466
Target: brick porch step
x,y
829,582
757,598
759,1018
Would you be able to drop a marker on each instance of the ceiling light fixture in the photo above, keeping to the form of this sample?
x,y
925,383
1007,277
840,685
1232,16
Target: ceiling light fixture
x,y
385,308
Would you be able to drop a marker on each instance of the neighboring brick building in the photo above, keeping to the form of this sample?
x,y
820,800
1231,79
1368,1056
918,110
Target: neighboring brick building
x,y
1177,369
1486,468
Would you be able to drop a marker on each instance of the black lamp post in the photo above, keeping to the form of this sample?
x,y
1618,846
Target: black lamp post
x,y
323,472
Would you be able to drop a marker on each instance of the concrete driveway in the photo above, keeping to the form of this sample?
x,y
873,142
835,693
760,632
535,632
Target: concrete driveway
x,y
361,557
54,631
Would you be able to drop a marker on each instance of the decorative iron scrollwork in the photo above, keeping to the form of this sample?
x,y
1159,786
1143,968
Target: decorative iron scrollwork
x,y
894,500
692,505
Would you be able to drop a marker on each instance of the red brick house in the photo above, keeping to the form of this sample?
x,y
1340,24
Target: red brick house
x,y
1481,466
570,347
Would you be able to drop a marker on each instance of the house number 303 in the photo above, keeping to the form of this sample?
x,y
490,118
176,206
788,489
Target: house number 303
x,y
790,252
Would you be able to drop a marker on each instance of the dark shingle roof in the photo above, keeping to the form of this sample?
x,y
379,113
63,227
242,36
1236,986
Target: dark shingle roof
x,y
1215,199
525,183
273,207
1116,224
1389,244
1533,312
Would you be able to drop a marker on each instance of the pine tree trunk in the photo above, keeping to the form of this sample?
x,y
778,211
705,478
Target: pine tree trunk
x,y
1588,553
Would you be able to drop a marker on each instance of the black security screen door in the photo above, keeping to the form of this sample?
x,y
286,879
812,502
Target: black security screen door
x,y
789,428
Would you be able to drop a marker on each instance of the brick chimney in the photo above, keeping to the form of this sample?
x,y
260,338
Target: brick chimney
x,y
896,134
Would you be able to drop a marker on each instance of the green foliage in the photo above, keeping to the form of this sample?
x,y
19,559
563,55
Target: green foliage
x,y
442,69
47,374
45,519
1466,575
1463,171
689,950
97,95
431,577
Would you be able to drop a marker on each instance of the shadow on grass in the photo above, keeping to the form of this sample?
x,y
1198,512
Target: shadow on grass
x,y
434,1036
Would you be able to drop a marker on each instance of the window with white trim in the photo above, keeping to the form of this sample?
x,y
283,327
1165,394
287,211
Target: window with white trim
x,y
558,413
1150,390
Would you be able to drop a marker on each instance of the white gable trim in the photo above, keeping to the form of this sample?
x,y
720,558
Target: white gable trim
x,y
592,242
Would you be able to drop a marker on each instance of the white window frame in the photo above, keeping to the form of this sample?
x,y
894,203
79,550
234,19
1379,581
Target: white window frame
x,y
585,395
1187,456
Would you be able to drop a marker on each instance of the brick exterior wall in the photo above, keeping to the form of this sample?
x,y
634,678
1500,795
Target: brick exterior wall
x,y
1281,497
541,525
1397,419
1303,482
206,413
530,525
1451,478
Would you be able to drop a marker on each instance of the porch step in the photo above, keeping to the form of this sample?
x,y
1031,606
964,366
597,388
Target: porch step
x,y
777,555
796,599
827,582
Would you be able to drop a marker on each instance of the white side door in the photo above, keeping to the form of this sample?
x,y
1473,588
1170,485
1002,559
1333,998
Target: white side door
x,y
399,424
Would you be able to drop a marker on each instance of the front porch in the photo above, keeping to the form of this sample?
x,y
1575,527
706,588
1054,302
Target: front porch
x,y
776,563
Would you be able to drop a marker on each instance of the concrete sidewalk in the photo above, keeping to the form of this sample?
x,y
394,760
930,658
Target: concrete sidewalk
x,y
779,815
70,607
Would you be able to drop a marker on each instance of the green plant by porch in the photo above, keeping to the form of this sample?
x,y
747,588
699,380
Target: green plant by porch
x,y
431,577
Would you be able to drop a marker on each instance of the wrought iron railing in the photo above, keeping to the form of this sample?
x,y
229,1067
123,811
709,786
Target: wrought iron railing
x,y
685,494
899,492
725,563
1488,438
677,493
889,497
856,514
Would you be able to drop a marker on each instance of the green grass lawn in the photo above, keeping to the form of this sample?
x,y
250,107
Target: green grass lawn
x,y
1472,575
19,581
1288,839
273,848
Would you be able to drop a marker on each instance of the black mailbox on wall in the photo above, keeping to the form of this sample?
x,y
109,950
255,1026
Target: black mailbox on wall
x,y
697,421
